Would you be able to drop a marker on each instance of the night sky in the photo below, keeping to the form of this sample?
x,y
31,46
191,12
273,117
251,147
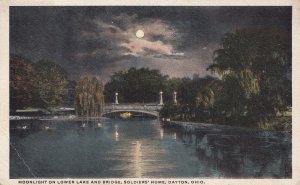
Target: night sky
x,y
99,41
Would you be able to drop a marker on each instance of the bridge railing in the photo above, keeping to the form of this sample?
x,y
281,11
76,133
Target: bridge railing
x,y
134,106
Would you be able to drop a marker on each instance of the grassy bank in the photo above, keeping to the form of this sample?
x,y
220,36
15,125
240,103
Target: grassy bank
x,y
280,122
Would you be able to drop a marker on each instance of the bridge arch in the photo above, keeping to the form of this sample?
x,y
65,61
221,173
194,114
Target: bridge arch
x,y
151,113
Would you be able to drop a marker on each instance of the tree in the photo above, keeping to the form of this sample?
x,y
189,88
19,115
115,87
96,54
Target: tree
x,y
50,81
135,85
205,97
254,65
170,110
189,105
21,84
89,99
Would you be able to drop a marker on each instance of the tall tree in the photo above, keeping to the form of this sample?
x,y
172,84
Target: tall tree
x,y
21,83
89,98
51,82
254,65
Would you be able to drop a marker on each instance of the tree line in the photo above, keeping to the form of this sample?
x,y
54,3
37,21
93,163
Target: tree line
x,y
40,84
45,85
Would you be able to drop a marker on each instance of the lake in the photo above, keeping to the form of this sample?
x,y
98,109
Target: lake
x,y
143,148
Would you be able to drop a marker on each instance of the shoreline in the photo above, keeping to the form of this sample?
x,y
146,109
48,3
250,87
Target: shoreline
x,y
60,117
171,123
197,125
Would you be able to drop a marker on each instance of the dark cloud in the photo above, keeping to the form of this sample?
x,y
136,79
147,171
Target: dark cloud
x,y
101,40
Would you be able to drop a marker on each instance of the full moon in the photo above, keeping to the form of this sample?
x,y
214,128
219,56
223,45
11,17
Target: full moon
x,y
139,34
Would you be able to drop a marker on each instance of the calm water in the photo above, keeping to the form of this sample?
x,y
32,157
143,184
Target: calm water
x,y
131,148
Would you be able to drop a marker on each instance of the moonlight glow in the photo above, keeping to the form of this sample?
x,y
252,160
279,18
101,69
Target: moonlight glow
x,y
139,34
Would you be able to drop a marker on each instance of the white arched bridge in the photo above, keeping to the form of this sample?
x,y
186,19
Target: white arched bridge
x,y
150,108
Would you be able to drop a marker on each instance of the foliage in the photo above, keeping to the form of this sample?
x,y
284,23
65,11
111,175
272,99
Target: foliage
x,y
40,84
254,65
89,99
21,84
135,85
170,110
50,81
189,106
171,85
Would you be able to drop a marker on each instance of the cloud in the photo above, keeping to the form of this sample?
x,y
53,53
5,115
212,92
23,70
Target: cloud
x,y
141,47
121,32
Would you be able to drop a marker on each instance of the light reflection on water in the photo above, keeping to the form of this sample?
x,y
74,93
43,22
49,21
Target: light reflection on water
x,y
145,149
116,133
137,160
161,133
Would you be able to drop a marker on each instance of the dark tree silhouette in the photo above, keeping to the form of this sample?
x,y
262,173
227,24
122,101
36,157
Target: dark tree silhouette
x,y
21,83
50,81
135,85
254,65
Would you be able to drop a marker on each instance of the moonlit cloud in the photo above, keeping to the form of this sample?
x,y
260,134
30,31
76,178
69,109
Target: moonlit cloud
x,y
141,47
114,42
157,40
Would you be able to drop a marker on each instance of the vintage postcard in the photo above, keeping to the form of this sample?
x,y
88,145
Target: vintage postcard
x,y
161,93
